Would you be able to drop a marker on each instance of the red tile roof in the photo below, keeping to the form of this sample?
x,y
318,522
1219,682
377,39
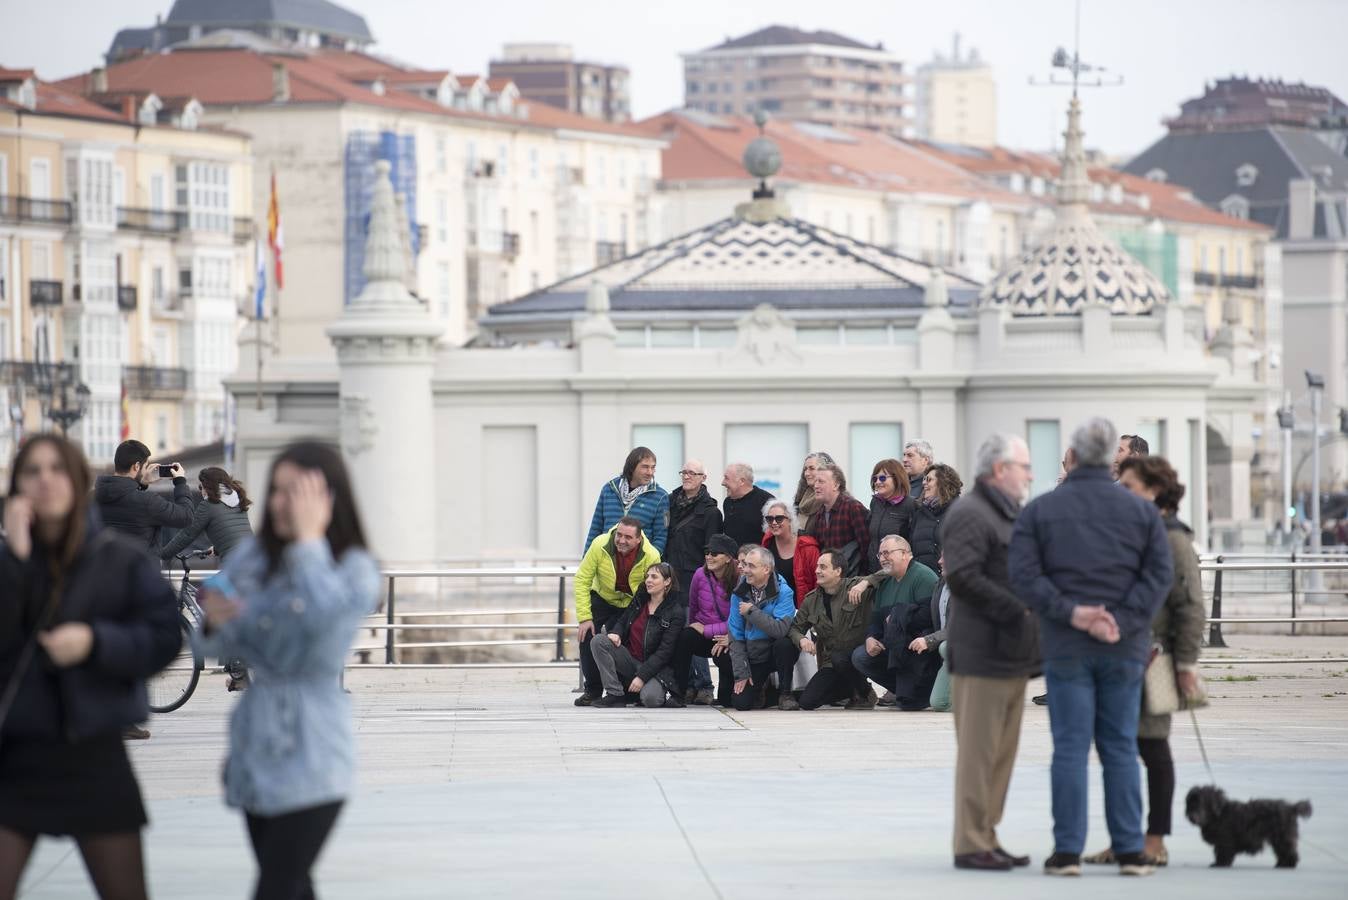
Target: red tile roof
x,y
8,76
52,100
1165,201
711,147
236,76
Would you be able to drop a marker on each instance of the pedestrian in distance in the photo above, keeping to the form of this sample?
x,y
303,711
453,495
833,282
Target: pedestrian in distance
x,y
85,618
290,602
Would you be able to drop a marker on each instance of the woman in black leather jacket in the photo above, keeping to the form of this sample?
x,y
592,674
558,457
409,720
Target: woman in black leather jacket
x,y
85,620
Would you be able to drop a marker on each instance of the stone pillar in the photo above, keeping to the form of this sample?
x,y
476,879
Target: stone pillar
x,y
936,329
385,342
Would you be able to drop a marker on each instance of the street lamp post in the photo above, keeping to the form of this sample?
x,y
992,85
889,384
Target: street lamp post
x,y
1316,383
1286,422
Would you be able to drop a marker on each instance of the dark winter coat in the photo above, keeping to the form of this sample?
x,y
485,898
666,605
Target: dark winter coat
x,y
692,522
1088,542
224,526
118,591
1178,626
126,506
991,631
925,538
662,632
889,518
744,517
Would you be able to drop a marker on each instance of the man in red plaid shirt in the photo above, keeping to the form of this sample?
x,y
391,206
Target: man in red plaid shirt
x,y
841,521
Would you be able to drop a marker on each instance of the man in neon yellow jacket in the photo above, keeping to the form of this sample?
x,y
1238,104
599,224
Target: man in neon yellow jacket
x,y
613,568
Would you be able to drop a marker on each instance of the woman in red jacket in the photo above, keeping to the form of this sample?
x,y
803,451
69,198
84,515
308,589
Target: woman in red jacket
x,y
794,555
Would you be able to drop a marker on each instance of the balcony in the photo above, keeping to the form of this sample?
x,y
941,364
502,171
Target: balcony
x,y
151,221
606,252
243,230
1205,279
126,297
510,245
1243,282
154,382
169,303
45,293
33,374
30,209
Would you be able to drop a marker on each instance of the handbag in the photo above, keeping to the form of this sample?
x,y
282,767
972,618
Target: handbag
x,y
1161,695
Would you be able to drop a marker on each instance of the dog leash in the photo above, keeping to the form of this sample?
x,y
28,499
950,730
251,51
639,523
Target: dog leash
x,y
1201,749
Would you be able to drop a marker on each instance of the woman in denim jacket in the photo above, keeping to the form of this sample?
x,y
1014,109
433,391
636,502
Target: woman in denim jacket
x,y
290,603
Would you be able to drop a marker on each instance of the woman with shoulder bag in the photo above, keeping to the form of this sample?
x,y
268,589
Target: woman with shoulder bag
x,y
85,620
290,602
1178,631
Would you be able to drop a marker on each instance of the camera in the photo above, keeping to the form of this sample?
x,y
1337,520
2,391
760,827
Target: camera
x,y
165,471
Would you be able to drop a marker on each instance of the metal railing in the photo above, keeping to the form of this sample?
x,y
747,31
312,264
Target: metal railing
x,y
153,221
1220,568
154,381
554,630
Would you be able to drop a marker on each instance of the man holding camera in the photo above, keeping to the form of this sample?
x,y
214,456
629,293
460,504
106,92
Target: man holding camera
x,y
127,506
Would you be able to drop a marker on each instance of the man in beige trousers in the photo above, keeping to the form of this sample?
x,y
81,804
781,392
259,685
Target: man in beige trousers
x,y
994,647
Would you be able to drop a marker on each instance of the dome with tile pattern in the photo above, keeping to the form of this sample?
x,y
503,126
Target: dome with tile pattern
x,y
1075,265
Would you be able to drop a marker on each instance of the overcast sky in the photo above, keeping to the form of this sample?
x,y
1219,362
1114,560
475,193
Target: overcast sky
x,y
1165,49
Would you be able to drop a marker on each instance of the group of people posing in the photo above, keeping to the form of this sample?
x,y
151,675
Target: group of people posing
x,y
800,603
947,600
88,616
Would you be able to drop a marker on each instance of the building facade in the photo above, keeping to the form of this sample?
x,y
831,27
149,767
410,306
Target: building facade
x,y
126,249
548,73
957,99
1293,181
757,339
813,76
501,196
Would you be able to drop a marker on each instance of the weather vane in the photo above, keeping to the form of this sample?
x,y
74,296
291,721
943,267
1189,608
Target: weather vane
x,y
1100,76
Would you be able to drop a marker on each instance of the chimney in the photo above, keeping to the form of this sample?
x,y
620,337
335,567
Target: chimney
x,y
280,83
100,76
129,108
1300,209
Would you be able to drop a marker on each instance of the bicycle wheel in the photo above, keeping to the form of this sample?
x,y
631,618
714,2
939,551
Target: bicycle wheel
x,y
172,687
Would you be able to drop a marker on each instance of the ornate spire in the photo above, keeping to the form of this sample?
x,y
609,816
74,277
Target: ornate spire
x,y
385,249
1074,187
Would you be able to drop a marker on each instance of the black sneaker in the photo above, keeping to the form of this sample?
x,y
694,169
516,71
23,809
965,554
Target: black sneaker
x,y
1063,864
135,733
586,699
610,700
1018,862
673,701
1040,700
1136,864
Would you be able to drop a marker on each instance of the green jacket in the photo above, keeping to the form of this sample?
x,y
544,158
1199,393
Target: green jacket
x,y
842,633
1179,624
915,586
598,572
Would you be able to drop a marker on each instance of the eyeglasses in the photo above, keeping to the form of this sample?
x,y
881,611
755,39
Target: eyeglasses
x,y
880,479
883,553
689,473
776,520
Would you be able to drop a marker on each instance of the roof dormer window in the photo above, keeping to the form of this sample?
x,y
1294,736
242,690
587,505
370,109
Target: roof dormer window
x,y
1235,206
1246,175
1157,175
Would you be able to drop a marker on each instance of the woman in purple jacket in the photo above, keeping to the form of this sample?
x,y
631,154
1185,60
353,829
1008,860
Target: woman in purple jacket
x,y
708,610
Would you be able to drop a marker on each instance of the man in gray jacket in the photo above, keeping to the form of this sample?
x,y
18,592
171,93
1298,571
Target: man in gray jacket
x,y
993,649
128,507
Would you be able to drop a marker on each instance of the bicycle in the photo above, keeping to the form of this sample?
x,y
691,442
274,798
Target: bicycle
x,y
172,687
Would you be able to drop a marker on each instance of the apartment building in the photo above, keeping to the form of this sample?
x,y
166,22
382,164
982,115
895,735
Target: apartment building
x,y
502,195
813,76
549,73
126,247
957,99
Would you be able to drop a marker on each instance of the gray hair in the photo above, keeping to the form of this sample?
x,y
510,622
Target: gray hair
x,y
997,449
821,458
743,470
695,465
899,539
1094,442
761,553
787,507
923,449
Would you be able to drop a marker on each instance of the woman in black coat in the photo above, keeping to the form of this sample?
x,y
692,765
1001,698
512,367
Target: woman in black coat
x,y
891,506
85,620
941,486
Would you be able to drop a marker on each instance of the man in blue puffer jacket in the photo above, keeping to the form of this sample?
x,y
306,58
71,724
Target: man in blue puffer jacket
x,y
633,493
762,608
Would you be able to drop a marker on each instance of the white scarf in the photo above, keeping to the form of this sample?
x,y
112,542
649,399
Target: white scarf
x,y
228,497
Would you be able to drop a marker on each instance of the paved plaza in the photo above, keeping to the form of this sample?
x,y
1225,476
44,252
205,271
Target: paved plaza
x,y
489,783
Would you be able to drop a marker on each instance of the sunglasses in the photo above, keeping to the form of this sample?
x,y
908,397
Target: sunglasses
x,y
880,479
776,520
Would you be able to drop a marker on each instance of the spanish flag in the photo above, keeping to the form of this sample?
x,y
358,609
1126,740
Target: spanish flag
x,y
275,236
126,413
